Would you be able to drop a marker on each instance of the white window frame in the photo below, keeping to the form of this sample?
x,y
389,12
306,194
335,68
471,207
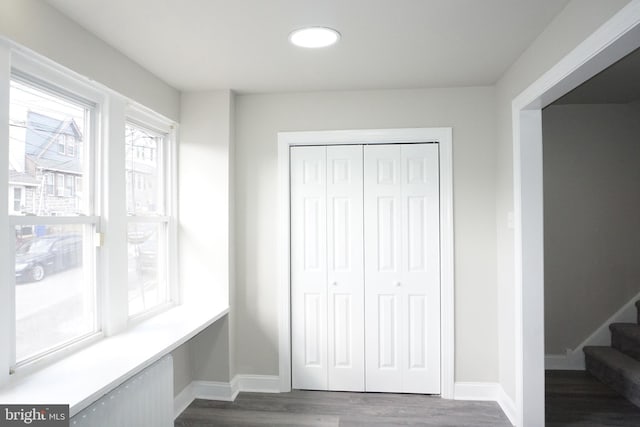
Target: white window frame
x,y
148,120
109,214
28,71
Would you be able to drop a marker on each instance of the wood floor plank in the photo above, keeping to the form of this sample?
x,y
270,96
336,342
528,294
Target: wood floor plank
x,y
240,417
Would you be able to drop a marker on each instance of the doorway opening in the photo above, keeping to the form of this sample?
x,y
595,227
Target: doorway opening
x,y
611,42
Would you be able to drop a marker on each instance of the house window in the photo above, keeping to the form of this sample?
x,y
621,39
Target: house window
x,y
78,185
50,190
17,199
62,144
59,184
69,185
57,307
70,143
148,226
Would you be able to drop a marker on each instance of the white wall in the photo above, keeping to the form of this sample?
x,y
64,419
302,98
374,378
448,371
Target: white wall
x,y
579,19
205,234
203,201
469,111
41,28
591,218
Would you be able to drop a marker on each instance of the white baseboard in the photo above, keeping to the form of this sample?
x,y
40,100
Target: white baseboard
x,y
486,392
476,391
573,360
216,390
508,406
258,383
183,400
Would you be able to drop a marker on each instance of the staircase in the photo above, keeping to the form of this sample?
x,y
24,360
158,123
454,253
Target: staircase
x,y
618,366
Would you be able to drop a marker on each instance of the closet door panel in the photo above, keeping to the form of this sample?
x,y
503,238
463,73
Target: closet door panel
x,y
402,277
308,268
383,254
345,268
420,276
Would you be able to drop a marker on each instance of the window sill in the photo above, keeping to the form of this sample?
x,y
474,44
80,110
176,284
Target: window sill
x,y
85,376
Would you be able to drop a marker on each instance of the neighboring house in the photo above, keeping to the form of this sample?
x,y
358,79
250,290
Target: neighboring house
x,y
53,159
22,192
142,161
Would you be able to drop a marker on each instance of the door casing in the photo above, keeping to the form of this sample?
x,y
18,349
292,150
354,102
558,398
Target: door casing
x,y
442,136
612,41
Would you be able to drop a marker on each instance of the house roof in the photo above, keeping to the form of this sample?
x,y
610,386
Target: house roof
x,y
70,165
42,131
21,178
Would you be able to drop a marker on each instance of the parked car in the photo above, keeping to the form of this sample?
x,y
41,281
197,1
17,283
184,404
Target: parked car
x,y
143,246
40,256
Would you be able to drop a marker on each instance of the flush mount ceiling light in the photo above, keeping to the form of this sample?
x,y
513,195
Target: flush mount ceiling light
x,y
314,37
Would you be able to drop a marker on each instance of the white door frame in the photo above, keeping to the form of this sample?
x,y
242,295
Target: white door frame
x,y
612,41
443,136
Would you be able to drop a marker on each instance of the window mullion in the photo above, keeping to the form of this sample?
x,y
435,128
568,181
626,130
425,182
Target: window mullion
x,y
113,276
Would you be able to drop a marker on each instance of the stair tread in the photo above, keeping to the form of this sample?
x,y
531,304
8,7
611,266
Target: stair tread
x,y
631,329
616,360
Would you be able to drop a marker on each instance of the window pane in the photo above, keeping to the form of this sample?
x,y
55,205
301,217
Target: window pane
x,y
147,266
55,300
47,132
144,172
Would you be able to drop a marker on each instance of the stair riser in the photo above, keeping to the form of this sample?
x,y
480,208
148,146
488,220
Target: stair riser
x,y
614,379
626,345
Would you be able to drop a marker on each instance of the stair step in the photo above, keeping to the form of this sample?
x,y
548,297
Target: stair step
x,y
616,369
625,337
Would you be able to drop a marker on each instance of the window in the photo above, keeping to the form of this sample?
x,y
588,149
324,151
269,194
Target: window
x,y
69,183
51,189
70,142
54,253
17,199
78,186
72,271
59,184
62,145
148,224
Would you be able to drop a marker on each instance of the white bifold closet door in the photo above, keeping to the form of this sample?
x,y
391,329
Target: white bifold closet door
x,y
327,272
402,268
365,288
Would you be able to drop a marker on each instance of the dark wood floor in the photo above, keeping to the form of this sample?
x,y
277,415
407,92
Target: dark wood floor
x,y
577,399
317,408
573,398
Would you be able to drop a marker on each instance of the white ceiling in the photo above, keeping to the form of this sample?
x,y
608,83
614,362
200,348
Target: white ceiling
x,y
242,44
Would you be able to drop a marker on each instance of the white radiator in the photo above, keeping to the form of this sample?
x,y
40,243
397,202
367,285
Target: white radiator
x,y
145,400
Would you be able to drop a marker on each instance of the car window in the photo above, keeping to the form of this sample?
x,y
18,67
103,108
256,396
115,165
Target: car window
x,y
37,246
